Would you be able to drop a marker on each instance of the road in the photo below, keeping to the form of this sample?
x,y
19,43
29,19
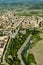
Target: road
x,y
22,48
4,62
11,36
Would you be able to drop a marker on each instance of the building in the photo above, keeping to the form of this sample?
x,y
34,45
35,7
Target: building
x,y
32,22
3,42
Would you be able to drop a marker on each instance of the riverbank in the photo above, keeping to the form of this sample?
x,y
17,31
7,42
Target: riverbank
x,y
22,51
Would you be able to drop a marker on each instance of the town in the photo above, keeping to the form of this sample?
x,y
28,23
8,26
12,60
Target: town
x,y
12,26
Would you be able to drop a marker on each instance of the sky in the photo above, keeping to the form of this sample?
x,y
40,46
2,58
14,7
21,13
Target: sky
x,y
10,1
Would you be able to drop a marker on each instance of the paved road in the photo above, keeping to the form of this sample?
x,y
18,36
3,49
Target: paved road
x,y
21,49
11,36
4,62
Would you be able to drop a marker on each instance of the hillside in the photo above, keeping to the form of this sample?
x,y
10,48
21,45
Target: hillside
x,y
24,5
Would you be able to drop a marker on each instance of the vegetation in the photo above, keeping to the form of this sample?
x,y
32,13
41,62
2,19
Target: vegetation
x,y
24,14
34,13
2,64
12,51
35,32
35,37
14,46
1,27
31,13
1,33
30,59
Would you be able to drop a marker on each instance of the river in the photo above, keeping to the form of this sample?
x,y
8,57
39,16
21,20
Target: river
x,y
25,50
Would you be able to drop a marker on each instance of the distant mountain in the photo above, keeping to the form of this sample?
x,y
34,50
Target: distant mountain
x,y
37,6
13,1
30,4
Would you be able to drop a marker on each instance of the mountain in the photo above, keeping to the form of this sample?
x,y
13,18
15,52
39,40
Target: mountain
x,y
30,4
37,6
13,1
